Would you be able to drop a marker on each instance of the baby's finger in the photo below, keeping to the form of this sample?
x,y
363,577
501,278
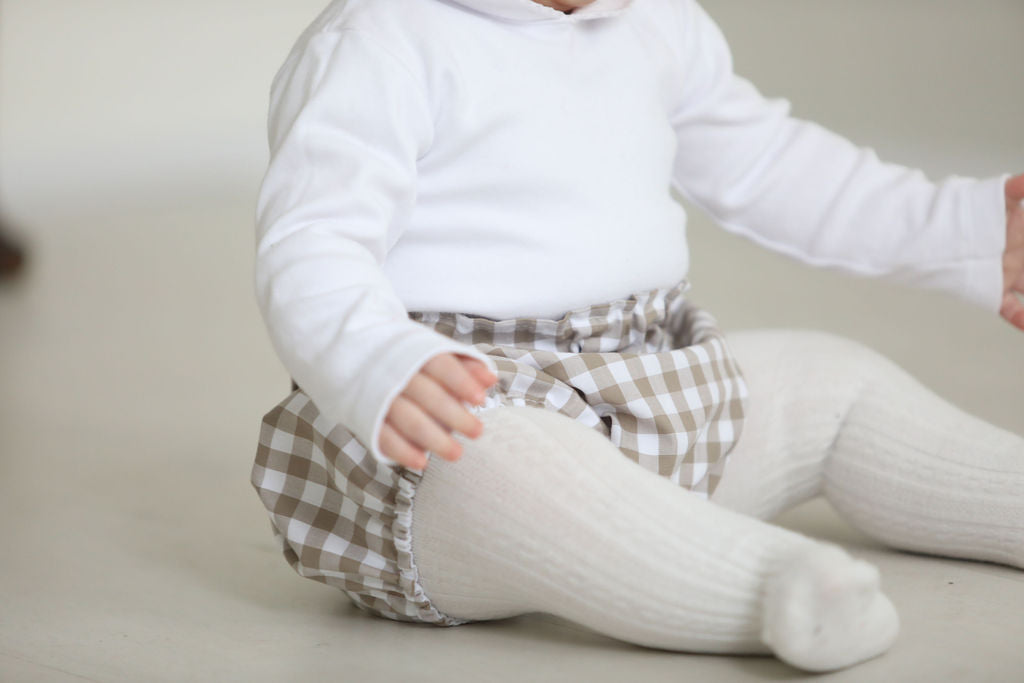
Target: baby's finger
x,y
421,430
1012,310
1015,191
394,446
432,398
479,370
447,371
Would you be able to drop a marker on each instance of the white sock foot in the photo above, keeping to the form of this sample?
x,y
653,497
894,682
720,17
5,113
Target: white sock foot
x,y
826,611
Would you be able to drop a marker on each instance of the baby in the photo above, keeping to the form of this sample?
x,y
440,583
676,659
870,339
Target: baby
x,y
468,248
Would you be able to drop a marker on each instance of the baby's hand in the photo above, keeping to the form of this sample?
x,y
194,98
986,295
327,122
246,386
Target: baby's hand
x,y
1013,259
423,416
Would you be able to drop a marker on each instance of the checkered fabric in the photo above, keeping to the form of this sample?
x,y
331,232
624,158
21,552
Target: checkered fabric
x,y
652,372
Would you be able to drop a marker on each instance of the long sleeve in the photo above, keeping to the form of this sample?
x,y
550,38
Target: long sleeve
x,y
347,124
796,188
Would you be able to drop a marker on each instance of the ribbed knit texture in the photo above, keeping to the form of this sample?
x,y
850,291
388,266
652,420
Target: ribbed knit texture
x,y
544,514
909,468
802,384
920,474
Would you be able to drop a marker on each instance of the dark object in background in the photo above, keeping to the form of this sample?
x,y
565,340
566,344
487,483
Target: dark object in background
x,y
12,258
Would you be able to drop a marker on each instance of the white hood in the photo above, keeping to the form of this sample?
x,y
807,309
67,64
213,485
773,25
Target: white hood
x,y
528,10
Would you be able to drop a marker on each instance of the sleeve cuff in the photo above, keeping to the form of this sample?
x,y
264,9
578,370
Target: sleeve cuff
x,y
984,287
984,272
987,223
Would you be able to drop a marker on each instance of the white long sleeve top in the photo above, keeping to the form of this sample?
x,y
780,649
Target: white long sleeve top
x,y
503,159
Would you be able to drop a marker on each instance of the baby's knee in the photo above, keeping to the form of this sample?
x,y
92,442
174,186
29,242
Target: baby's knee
x,y
827,347
860,363
808,354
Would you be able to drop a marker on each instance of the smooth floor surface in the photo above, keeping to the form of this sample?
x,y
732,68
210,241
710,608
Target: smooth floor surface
x,y
134,368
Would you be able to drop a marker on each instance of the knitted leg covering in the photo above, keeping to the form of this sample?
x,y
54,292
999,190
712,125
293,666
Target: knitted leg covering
x,y
544,514
828,415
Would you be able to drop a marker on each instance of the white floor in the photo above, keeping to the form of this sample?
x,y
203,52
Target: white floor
x,y
134,369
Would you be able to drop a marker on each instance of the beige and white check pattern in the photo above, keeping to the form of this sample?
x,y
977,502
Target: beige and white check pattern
x,y
652,372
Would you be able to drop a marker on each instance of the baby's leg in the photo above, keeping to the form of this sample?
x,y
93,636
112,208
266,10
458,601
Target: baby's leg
x,y
544,514
801,388
829,415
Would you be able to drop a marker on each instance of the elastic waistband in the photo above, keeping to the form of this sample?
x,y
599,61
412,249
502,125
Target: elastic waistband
x,y
635,323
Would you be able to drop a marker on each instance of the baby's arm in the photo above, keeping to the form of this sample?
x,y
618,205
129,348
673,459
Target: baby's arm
x,y
797,188
347,124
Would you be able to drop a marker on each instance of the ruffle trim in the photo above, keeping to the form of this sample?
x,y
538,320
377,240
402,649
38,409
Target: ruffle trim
x,y
401,531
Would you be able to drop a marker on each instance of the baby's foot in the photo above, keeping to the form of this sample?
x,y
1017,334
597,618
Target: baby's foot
x,y
824,610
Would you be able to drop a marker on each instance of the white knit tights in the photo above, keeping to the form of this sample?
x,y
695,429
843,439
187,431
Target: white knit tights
x,y
544,515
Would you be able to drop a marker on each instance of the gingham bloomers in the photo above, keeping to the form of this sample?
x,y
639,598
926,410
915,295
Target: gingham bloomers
x,y
652,372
